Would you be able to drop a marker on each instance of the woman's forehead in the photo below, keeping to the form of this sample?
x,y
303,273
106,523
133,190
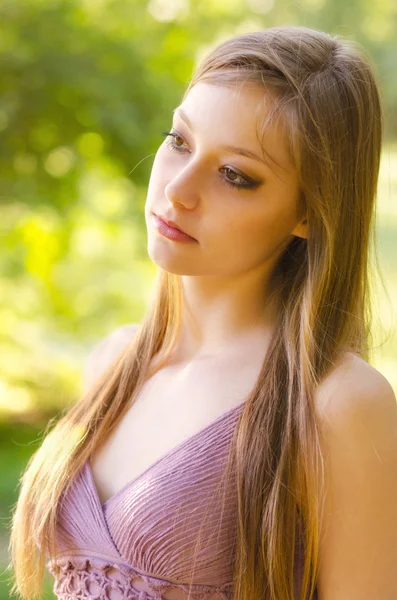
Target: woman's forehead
x,y
238,116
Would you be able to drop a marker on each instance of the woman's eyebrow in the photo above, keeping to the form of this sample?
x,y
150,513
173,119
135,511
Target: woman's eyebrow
x,y
234,149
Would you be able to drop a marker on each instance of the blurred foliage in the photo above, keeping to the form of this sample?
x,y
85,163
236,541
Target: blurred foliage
x,y
86,88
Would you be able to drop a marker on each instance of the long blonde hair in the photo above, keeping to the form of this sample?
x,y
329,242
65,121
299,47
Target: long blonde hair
x,y
328,99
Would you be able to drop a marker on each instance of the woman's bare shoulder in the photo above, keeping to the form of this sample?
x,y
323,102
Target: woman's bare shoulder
x,y
359,448
353,382
105,352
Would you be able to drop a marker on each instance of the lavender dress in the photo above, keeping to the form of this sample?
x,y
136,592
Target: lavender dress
x,y
139,545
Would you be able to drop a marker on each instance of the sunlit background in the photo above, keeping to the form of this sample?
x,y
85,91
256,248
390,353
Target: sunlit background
x,y
87,87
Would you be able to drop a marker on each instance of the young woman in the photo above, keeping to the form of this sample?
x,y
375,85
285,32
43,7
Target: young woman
x,y
237,443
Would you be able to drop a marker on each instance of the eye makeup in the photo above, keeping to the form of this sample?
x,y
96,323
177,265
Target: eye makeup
x,y
233,178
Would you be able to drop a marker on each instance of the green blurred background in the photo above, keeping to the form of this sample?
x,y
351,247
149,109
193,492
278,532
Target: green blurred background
x,y
86,88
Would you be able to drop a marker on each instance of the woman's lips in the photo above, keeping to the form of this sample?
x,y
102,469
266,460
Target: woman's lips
x,y
171,232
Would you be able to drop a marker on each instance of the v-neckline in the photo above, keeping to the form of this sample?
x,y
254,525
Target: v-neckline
x,y
163,457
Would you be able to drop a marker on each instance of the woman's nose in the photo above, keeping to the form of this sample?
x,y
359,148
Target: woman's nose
x,y
184,188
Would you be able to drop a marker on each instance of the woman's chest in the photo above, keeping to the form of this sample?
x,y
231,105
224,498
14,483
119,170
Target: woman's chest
x,y
172,410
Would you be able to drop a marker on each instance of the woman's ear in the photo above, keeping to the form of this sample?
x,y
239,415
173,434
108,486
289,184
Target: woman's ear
x,y
301,230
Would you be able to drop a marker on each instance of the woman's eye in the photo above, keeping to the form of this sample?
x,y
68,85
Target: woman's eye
x,y
234,179
172,140
231,178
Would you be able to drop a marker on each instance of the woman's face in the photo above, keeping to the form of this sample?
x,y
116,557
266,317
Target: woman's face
x,y
241,212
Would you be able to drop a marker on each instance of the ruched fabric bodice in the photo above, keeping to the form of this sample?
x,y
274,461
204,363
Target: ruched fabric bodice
x,y
140,544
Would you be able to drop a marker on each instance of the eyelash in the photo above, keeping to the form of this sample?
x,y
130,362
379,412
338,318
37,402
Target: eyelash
x,y
237,186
